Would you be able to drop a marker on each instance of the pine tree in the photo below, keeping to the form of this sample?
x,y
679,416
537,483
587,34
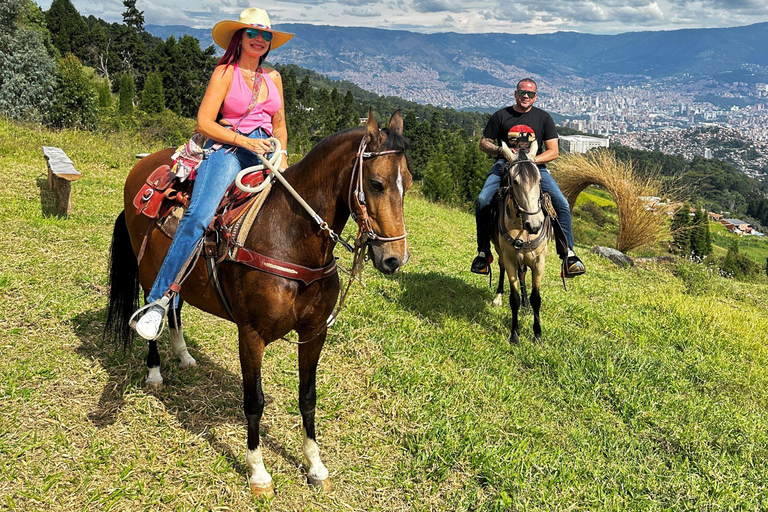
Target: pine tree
x,y
69,31
152,98
105,97
133,17
125,107
438,183
681,232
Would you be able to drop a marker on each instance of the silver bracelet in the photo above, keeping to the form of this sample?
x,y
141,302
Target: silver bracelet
x,y
285,152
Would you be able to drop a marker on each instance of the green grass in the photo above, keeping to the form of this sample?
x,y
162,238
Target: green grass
x,y
755,248
647,391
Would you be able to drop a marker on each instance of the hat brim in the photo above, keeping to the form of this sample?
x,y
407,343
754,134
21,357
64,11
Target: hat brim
x,y
224,30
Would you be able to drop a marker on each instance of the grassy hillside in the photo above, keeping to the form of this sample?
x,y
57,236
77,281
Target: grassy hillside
x,y
647,391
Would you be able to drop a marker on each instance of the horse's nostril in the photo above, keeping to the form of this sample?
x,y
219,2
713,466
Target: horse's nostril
x,y
391,264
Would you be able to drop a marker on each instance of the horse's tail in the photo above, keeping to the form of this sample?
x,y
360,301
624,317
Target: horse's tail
x,y
124,285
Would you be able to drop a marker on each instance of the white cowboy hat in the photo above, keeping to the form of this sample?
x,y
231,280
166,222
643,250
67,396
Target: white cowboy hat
x,y
250,18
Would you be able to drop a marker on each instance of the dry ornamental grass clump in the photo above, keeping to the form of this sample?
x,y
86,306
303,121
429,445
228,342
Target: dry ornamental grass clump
x,y
638,224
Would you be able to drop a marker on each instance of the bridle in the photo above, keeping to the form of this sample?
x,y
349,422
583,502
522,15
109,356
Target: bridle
x,y
356,196
510,177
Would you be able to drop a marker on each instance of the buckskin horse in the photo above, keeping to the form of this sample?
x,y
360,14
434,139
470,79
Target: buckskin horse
x,y
520,235
363,171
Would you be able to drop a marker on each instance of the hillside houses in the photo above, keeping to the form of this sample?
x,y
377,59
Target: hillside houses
x,y
736,226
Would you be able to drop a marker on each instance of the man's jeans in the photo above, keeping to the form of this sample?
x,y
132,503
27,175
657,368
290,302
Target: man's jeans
x,y
215,174
492,182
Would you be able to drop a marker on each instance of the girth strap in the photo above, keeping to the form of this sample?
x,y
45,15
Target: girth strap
x,y
283,268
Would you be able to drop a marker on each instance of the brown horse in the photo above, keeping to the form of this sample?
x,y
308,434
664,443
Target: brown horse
x,y
266,307
520,236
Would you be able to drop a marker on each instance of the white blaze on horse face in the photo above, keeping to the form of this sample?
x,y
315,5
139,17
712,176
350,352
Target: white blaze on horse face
x,y
315,468
400,182
259,476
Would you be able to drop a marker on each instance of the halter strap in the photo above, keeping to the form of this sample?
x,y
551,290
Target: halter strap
x,y
356,196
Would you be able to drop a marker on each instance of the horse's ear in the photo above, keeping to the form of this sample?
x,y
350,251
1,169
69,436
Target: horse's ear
x,y
396,122
372,135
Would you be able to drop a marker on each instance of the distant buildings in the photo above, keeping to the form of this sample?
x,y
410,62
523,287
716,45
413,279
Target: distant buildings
x,y
581,143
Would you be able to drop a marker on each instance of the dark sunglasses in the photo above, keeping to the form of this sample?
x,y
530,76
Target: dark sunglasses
x,y
253,32
530,94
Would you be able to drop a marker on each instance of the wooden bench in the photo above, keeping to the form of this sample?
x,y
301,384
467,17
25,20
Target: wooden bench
x,y
61,174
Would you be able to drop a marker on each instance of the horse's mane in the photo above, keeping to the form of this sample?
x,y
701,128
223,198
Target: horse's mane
x,y
528,173
394,141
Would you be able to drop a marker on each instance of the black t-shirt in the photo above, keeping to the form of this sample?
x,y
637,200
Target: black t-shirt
x,y
541,122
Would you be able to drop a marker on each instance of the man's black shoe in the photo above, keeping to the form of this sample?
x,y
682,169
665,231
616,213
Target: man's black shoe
x,y
482,264
572,267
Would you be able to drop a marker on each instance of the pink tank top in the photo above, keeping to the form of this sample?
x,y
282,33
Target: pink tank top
x,y
239,98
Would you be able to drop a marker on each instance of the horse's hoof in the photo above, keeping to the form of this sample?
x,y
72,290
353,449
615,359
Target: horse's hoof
x,y
514,339
267,491
153,385
187,363
324,485
498,301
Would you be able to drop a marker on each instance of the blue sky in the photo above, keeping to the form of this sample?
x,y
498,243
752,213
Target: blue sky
x,y
523,16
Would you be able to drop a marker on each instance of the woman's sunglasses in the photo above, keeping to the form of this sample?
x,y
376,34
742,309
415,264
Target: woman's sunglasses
x,y
253,32
530,94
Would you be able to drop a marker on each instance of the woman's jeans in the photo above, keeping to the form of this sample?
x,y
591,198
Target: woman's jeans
x,y
483,216
215,174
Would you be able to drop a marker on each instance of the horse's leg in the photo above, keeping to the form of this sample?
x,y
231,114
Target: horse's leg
x,y
251,354
536,299
178,345
514,304
309,354
154,378
521,278
500,288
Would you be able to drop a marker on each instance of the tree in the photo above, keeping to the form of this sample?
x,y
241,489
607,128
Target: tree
x,y
701,239
105,97
681,232
26,70
74,103
133,17
125,107
69,31
438,184
152,98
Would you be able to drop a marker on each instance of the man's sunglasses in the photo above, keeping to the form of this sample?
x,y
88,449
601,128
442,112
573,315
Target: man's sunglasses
x,y
253,32
530,94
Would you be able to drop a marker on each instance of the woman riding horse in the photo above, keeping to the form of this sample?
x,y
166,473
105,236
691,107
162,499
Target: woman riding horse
x,y
242,106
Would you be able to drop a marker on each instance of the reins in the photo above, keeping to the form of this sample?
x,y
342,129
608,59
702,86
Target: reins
x,y
358,211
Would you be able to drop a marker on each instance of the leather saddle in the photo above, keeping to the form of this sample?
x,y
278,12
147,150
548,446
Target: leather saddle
x,y
164,198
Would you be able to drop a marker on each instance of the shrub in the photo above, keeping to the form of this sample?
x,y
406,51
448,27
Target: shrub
x,y
74,102
26,70
105,96
125,107
152,97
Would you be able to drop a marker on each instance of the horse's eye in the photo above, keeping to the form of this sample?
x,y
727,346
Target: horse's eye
x,y
376,186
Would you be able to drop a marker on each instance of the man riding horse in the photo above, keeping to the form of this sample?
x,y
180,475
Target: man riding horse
x,y
520,116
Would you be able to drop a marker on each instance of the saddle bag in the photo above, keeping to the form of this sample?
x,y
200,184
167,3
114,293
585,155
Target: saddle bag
x,y
157,197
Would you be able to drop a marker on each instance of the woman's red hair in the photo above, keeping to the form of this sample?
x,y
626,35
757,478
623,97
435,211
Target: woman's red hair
x,y
231,55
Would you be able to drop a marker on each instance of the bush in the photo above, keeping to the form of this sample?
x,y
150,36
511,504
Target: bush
x,y
105,96
595,213
152,97
166,126
26,69
125,108
74,102
738,265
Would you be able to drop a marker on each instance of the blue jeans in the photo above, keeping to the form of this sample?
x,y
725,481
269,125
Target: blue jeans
x,y
215,174
548,184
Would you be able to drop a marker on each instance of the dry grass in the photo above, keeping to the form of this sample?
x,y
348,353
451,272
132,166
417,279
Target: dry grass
x,y
638,226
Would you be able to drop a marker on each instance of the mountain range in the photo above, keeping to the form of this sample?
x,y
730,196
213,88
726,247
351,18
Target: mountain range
x,y
448,68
